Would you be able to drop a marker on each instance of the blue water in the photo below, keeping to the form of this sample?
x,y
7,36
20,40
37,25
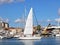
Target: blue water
x,y
43,41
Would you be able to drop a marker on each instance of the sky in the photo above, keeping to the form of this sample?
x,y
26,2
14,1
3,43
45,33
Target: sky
x,y
46,11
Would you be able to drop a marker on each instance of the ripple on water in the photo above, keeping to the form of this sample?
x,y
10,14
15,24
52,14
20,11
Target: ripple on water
x,y
43,41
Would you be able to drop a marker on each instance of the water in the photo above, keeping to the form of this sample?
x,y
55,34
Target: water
x,y
43,41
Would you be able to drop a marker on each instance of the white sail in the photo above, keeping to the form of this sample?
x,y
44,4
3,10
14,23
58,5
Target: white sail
x,y
29,23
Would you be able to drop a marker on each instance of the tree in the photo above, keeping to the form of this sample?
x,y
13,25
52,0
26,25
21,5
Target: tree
x,y
38,27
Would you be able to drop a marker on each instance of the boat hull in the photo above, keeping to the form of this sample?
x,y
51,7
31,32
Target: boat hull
x,y
29,38
1,37
57,35
16,36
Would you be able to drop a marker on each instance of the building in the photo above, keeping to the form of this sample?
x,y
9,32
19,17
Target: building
x,y
13,31
4,25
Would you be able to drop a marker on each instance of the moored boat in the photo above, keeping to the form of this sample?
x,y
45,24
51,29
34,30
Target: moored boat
x,y
28,31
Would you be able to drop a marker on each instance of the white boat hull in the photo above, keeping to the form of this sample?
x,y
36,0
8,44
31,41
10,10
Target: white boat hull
x,y
16,36
29,38
57,35
1,37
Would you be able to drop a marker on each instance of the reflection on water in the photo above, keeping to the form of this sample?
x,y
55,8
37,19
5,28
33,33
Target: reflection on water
x,y
29,42
57,40
43,41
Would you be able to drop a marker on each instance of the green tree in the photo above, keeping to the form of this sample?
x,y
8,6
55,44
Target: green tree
x,y
38,27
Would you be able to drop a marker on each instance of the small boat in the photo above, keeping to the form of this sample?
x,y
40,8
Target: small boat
x,y
1,37
16,36
28,31
57,35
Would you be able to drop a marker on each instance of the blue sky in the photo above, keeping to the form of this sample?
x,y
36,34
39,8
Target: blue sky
x,y
43,9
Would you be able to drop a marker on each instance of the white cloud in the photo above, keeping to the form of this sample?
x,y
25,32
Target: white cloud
x,y
4,20
7,20
58,20
6,1
19,20
1,19
20,0
49,20
10,1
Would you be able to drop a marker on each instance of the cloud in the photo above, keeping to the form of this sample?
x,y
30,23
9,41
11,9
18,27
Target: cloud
x,y
7,20
19,20
6,1
58,20
1,19
10,1
4,20
48,20
20,0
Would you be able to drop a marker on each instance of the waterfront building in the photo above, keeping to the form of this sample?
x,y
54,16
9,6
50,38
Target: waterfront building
x,y
19,30
4,25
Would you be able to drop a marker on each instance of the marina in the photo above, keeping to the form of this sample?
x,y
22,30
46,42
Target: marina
x,y
29,33
29,22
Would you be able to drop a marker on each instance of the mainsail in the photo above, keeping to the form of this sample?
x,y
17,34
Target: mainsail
x,y
29,23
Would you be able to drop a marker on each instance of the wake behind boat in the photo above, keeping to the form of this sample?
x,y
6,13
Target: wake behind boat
x,y
28,31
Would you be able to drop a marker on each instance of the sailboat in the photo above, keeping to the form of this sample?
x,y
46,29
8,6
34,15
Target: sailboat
x,y
28,31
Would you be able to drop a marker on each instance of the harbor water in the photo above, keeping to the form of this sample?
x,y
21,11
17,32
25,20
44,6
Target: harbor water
x,y
43,41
